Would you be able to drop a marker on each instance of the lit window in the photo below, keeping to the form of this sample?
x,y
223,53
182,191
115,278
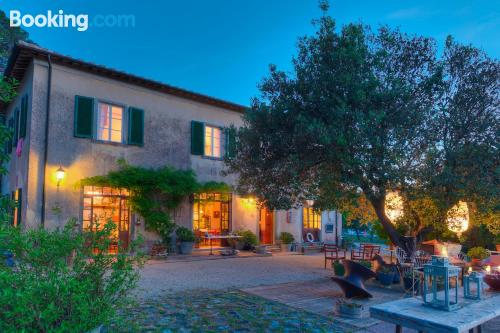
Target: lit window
x,y
213,139
312,219
110,123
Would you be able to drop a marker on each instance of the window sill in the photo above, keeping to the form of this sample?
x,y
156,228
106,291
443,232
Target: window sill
x,y
212,158
111,143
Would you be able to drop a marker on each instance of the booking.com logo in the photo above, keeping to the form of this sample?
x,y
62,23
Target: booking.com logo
x,y
61,20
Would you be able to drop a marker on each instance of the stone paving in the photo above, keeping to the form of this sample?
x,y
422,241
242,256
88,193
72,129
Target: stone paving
x,y
221,311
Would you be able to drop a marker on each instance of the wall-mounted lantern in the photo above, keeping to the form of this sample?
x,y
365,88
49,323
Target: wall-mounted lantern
x,y
310,202
60,174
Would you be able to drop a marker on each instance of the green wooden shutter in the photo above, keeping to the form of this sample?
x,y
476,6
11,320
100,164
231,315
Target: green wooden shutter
x,y
24,116
230,143
10,142
135,126
16,128
19,204
84,115
197,138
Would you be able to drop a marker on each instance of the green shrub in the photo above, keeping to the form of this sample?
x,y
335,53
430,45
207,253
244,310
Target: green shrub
x,y
249,239
184,234
286,238
478,253
63,280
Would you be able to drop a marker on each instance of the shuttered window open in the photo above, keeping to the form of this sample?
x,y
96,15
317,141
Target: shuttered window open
x,y
84,115
135,126
230,142
16,128
23,117
197,138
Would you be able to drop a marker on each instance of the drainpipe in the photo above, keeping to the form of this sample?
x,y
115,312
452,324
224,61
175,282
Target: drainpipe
x,y
46,143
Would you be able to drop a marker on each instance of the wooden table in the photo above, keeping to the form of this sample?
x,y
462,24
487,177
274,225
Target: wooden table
x,y
411,313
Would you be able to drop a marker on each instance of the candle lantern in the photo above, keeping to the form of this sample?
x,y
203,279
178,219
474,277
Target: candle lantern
x,y
441,284
470,280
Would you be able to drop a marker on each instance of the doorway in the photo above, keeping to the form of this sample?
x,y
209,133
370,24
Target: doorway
x,y
266,226
211,216
103,204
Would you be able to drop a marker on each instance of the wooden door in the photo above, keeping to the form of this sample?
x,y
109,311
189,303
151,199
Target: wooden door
x,y
266,226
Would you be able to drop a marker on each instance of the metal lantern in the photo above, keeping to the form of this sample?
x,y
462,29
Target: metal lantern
x,y
473,278
438,275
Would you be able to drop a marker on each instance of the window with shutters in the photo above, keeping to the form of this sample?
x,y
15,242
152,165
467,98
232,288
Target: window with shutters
x,y
213,141
110,122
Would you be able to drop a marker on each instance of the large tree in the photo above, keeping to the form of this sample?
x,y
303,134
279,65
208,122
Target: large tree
x,y
361,115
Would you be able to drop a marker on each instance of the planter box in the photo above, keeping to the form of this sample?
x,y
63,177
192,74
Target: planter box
x,y
286,247
186,247
350,311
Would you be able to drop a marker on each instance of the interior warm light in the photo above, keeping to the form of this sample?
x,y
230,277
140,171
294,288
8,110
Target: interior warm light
x,y
488,269
60,174
393,206
457,218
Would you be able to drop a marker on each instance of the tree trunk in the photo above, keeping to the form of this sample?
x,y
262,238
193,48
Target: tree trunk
x,y
408,244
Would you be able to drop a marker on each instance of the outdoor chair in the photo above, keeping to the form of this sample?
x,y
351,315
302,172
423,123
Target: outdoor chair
x,y
332,253
365,252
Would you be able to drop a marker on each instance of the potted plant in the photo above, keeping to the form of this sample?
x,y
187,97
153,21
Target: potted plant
x,y
477,254
385,275
338,268
349,309
286,239
186,239
248,239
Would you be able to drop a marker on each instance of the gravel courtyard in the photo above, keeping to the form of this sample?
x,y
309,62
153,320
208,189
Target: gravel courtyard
x,y
159,277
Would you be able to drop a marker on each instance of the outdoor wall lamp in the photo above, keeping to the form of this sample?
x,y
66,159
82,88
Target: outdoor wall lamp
x,y
310,202
60,174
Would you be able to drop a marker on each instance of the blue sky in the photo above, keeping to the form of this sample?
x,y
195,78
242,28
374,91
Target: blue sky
x,y
223,47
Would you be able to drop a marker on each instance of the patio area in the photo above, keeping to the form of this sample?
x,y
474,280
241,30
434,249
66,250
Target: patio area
x,y
279,293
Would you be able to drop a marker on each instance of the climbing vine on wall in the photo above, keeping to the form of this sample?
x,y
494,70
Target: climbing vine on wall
x,y
154,193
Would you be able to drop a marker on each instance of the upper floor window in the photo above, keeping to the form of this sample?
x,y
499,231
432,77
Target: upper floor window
x,y
213,138
110,123
211,141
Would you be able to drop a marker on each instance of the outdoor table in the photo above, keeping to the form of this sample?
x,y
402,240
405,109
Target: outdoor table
x,y
411,313
210,237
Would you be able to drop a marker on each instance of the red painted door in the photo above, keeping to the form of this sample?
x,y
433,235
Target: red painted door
x,y
266,226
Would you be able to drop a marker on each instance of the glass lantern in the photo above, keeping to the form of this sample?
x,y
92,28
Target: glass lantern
x,y
473,279
441,284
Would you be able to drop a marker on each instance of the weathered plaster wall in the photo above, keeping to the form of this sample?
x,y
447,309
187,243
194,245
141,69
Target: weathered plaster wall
x,y
167,140
18,165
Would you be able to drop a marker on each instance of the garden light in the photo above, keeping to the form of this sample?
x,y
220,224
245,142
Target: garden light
x,y
457,218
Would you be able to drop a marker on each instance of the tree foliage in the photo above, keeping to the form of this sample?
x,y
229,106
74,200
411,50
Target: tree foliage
x,y
371,112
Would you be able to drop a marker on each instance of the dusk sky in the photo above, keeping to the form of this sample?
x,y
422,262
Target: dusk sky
x,y
223,47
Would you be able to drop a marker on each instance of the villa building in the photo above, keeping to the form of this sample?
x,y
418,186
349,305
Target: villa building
x,y
82,118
